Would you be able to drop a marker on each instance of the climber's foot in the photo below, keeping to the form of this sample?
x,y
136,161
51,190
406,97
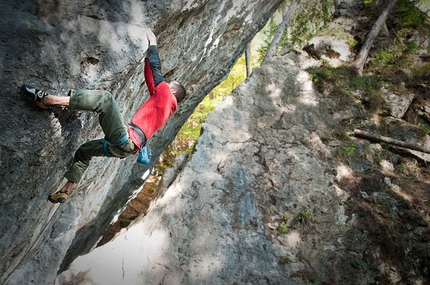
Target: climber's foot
x,y
59,197
35,94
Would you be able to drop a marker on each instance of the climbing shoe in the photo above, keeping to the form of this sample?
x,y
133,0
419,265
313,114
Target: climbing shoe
x,y
35,94
59,197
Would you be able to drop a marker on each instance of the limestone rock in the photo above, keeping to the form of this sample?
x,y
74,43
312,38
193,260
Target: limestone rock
x,y
260,201
333,47
60,45
397,105
260,158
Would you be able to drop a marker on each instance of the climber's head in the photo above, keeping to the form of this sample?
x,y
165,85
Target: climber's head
x,y
178,90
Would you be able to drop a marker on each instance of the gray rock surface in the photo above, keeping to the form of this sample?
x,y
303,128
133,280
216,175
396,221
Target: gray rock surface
x,y
259,159
265,198
260,201
59,45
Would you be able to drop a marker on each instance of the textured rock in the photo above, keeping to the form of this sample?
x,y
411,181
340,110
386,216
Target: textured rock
x,y
397,105
263,165
58,45
261,201
334,46
259,158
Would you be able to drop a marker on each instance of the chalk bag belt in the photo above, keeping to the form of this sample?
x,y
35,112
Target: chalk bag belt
x,y
119,142
140,133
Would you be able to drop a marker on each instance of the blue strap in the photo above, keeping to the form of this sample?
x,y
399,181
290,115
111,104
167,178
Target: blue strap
x,y
105,149
114,143
120,141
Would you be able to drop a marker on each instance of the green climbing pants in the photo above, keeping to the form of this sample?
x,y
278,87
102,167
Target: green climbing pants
x,y
112,123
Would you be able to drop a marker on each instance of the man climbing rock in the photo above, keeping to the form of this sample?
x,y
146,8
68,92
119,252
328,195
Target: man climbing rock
x,y
120,140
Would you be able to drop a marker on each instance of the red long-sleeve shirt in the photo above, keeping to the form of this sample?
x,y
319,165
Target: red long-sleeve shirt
x,y
160,105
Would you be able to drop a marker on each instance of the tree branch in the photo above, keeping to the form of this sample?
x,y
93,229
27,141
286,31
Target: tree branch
x,y
287,17
358,64
378,138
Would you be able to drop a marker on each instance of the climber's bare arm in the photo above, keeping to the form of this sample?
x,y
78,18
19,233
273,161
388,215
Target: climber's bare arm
x,y
152,39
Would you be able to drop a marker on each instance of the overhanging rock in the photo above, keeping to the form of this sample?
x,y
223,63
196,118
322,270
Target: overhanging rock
x,y
59,45
260,161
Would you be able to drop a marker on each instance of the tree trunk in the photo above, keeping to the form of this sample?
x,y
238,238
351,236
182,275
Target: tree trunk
x,y
378,138
358,64
286,19
248,59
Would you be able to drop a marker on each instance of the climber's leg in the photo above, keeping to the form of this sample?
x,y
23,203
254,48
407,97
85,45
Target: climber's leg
x,y
105,105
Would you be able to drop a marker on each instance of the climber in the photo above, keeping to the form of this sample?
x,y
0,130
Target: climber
x,y
120,140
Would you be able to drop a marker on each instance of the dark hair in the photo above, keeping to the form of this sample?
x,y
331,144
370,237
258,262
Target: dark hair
x,y
180,90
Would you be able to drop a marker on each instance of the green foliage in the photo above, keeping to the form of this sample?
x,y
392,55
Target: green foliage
x,y
268,33
362,93
385,57
237,75
190,131
309,18
412,264
406,21
357,263
394,58
408,14
351,41
284,260
421,74
367,83
327,74
342,79
305,215
337,33
283,228
425,128
310,275
349,149
368,2
124,222
343,152
382,154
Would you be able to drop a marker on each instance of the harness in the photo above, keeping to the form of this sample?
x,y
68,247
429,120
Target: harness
x,y
119,142
141,134
144,152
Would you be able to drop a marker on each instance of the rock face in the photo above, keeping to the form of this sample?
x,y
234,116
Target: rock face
x,y
271,195
59,45
218,222
260,201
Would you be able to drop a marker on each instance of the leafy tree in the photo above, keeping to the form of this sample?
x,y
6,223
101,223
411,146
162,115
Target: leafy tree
x,y
307,20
